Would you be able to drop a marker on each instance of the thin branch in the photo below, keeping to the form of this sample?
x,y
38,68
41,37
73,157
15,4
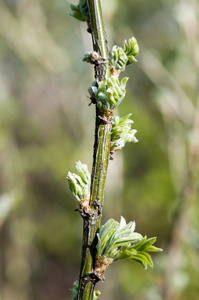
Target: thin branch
x,y
100,159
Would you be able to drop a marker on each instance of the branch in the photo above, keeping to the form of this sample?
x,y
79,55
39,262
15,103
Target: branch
x,y
101,247
100,157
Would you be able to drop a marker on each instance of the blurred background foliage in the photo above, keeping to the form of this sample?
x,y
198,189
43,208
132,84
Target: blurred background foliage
x,y
46,125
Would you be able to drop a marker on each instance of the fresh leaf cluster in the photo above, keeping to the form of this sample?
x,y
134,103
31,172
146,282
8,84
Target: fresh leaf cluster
x,y
79,183
109,93
122,132
119,241
120,58
80,11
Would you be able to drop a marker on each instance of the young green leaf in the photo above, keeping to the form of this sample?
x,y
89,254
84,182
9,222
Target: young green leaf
x,y
109,93
119,241
74,290
79,183
120,58
131,49
80,11
121,132
76,12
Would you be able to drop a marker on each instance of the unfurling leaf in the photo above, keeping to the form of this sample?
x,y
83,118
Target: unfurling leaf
x,y
119,241
131,49
80,11
121,132
79,183
109,93
120,58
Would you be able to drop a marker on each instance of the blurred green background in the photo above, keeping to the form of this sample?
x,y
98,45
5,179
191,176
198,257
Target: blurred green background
x,y
46,125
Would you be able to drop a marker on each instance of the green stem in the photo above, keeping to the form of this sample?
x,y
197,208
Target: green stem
x,y
98,31
100,159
